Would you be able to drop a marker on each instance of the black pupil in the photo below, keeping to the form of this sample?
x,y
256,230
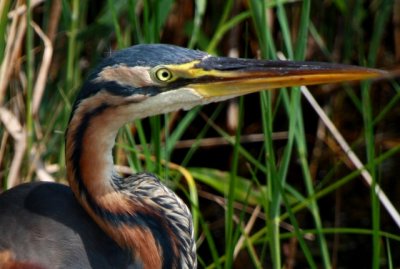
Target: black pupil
x,y
165,74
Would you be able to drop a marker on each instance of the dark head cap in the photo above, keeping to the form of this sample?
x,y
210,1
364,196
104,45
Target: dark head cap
x,y
151,55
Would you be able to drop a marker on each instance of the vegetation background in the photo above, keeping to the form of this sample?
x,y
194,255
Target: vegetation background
x,y
267,178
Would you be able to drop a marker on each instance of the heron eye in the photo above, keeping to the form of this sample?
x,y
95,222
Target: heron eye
x,y
163,74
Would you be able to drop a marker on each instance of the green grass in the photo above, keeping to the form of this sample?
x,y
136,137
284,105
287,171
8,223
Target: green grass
x,y
261,204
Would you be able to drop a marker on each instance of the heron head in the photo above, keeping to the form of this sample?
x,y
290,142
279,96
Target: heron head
x,y
164,78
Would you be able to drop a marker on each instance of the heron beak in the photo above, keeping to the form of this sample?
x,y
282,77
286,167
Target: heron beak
x,y
221,76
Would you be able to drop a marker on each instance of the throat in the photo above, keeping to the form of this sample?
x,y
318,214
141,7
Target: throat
x,y
96,159
135,213
90,168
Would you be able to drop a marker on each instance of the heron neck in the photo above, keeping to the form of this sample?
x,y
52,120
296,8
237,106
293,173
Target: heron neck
x,y
90,139
89,143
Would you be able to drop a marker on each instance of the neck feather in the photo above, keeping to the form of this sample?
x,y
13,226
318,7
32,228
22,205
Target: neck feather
x,y
90,170
139,213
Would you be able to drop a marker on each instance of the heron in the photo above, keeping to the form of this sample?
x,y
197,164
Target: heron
x,y
106,220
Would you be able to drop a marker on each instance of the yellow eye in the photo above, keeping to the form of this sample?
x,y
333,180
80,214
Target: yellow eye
x,y
163,74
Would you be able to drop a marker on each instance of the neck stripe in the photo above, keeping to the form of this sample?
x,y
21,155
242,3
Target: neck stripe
x,y
113,220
